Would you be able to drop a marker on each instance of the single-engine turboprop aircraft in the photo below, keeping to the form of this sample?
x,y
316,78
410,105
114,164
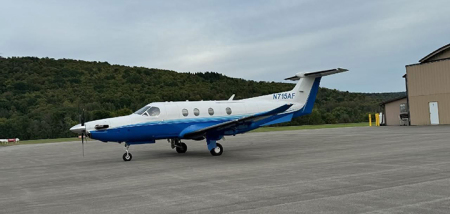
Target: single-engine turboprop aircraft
x,y
210,120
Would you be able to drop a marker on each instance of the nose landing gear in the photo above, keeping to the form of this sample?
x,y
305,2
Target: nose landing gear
x,y
127,155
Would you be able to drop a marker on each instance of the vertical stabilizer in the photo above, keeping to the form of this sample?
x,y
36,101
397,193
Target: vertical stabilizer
x,y
303,95
307,87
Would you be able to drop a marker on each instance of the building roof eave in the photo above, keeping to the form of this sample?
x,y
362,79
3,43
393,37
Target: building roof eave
x,y
393,100
434,53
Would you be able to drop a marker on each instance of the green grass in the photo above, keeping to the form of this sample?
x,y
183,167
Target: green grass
x,y
324,126
262,129
42,141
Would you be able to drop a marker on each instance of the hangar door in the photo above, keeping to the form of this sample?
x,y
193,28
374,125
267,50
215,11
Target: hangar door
x,y
434,113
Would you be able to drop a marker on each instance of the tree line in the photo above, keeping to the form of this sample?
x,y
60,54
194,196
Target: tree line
x,y
42,97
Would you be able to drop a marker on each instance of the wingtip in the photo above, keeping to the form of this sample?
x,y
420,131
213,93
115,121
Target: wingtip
x,y
342,69
293,78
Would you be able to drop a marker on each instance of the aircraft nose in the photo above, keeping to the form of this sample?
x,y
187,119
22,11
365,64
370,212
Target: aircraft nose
x,y
77,129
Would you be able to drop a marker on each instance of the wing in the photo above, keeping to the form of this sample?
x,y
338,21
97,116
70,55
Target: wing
x,y
196,130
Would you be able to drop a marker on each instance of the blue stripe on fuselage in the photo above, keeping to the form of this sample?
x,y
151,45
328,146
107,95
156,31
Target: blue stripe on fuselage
x,y
155,129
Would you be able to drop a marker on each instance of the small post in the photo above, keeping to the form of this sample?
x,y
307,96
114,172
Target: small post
x,y
377,119
370,119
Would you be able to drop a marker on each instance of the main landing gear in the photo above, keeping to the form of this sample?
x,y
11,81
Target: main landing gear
x,y
127,155
214,148
217,151
179,146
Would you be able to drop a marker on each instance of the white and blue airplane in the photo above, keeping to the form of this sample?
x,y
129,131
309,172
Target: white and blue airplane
x,y
210,120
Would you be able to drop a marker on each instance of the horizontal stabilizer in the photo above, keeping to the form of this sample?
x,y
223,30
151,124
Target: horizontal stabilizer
x,y
316,73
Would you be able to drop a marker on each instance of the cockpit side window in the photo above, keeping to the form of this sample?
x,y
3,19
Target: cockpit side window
x,y
142,110
153,111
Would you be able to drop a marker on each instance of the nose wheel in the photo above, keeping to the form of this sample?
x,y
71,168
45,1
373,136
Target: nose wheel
x,y
127,155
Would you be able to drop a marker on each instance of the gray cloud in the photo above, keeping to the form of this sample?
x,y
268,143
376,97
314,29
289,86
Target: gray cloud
x,y
260,40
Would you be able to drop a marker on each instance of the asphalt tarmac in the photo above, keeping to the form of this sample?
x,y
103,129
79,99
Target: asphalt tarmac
x,y
340,170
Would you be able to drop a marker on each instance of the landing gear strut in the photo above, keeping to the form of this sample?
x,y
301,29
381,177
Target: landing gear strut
x,y
127,155
178,145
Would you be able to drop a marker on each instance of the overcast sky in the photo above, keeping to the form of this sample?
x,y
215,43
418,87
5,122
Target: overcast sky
x,y
257,40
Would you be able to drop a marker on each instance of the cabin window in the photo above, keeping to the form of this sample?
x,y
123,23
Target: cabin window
x,y
196,111
211,111
185,112
228,110
153,111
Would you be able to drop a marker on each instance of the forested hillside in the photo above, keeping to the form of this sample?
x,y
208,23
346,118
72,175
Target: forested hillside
x,y
40,97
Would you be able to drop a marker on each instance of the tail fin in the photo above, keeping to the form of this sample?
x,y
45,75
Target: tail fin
x,y
306,89
303,95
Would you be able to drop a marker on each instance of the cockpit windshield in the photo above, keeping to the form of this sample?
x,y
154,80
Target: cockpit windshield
x,y
142,110
148,111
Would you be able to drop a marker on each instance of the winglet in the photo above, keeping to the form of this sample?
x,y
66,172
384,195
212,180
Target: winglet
x,y
231,98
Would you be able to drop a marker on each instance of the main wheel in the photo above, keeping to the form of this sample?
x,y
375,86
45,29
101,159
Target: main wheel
x,y
127,156
217,151
182,148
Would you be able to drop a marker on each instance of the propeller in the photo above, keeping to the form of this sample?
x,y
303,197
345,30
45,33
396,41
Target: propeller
x,y
83,133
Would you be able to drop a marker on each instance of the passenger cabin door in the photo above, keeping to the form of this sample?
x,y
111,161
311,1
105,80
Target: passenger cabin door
x,y
434,113
172,111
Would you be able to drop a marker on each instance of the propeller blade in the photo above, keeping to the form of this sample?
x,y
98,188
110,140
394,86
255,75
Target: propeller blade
x,y
86,138
82,119
82,142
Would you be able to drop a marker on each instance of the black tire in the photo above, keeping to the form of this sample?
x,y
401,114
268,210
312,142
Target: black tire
x,y
182,148
217,151
127,157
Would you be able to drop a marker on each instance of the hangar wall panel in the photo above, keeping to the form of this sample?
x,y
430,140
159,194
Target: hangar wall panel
x,y
428,78
429,82
420,112
392,111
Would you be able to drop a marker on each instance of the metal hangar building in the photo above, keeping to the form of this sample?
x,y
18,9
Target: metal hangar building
x,y
427,92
